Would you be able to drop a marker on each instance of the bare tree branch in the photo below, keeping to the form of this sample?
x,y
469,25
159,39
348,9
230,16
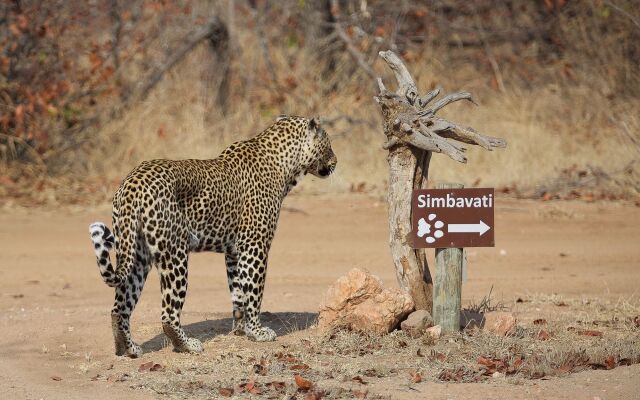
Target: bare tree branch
x,y
450,98
189,43
429,141
464,134
426,99
353,51
622,11
406,84
390,143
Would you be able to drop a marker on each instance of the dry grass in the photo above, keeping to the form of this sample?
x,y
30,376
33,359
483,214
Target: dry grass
x,y
485,304
549,128
579,109
555,336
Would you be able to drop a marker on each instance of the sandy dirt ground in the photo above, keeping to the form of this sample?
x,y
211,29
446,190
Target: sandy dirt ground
x,y
54,307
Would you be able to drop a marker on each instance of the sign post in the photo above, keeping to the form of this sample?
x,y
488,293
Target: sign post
x,y
414,132
450,218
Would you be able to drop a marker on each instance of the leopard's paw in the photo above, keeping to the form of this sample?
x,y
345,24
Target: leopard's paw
x,y
132,351
262,334
191,345
238,328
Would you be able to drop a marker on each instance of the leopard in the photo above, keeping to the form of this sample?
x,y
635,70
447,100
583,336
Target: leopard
x,y
166,209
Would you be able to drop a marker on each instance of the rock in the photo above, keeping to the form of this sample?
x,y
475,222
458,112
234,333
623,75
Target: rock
x,y
470,319
416,323
357,301
497,374
435,331
500,323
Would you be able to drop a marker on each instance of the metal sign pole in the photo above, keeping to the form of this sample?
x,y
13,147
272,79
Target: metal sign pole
x,y
447,287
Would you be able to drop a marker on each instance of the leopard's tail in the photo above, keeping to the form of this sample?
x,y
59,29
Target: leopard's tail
x,y
125,224
103,241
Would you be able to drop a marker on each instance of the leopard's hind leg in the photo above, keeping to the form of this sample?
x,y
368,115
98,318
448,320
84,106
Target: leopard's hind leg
x,y
172,266
170,241
127,296
237,294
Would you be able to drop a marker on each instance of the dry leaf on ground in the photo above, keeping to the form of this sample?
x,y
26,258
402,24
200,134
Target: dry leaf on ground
x,y
543,335
303,384
145,366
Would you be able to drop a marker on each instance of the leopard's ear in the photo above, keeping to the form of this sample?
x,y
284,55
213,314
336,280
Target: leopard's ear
x,y
314,124
281,117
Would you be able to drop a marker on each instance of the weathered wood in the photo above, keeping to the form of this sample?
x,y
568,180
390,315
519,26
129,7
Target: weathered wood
x,y
406,85
448,99
426,99
420,178
408,170
413,132
412,271
447,288
406,106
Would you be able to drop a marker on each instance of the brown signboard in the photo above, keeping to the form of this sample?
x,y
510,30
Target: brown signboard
x,y
452,218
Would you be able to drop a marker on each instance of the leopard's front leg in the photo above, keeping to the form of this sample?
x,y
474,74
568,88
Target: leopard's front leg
x,y
252,272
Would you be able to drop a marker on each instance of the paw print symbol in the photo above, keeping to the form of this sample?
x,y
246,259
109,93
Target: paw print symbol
x,y
424,228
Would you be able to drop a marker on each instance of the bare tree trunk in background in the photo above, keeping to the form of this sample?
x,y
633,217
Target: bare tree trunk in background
x,y
413,133
320,34
217,35
218,73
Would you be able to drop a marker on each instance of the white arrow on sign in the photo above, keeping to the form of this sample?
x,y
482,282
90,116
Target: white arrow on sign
x,y
481,228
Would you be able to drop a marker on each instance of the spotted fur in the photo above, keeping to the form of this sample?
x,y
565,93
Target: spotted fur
x,y
165,209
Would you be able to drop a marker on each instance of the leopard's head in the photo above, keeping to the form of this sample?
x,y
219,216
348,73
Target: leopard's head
x,y
320,159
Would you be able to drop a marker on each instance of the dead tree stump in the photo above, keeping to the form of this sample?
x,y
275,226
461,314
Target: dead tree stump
x,y
413,133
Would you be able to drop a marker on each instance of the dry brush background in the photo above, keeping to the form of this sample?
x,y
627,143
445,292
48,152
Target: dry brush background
x,y
90,89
